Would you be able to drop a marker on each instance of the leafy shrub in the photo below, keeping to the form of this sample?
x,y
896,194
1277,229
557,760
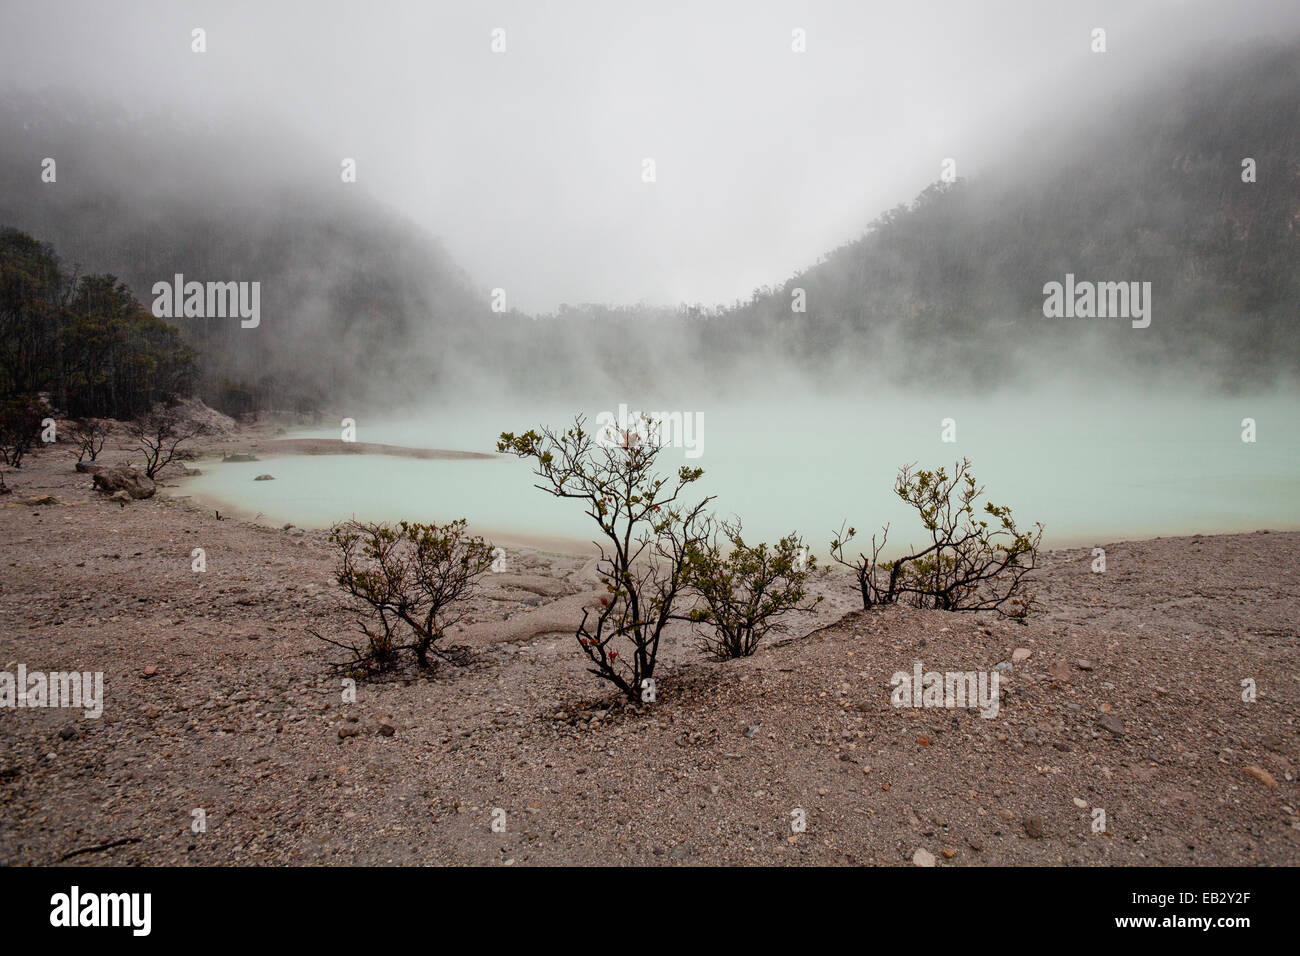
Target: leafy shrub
x,y
744,591
970,564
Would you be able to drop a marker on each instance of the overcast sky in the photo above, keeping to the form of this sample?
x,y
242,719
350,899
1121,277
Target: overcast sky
x,y
528,163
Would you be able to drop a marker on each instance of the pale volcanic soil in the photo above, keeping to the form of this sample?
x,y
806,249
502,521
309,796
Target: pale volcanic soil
x,y
217,699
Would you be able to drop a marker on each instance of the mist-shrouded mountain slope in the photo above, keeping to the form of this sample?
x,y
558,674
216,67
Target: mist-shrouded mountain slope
x,y
348,288
1150,191
358,302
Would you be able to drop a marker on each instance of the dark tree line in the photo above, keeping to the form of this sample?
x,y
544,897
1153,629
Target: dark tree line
x,y
84,341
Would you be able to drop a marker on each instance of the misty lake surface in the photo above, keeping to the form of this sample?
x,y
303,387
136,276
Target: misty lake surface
x,y
1093,469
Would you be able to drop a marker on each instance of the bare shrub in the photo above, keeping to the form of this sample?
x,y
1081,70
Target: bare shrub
x,y
160,433
20,426
646,531
408,580
90,435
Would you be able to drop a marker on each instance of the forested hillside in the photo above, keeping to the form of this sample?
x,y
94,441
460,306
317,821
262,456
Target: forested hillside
x,y
1151,192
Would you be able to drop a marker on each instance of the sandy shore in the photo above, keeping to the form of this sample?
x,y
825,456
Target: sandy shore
x,y
1129,702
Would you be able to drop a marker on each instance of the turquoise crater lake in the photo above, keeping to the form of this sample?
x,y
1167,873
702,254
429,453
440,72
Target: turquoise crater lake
x,y
1092,470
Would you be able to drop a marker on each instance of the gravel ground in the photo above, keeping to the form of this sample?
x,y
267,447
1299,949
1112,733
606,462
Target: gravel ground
x,y
1130,702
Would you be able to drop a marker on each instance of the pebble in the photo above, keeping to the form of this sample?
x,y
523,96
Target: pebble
x,y
1034,827
923,857
1113,724
1263,776
1020,655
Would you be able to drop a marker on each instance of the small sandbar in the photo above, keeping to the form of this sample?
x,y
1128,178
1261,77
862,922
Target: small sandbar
x,y
336,446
